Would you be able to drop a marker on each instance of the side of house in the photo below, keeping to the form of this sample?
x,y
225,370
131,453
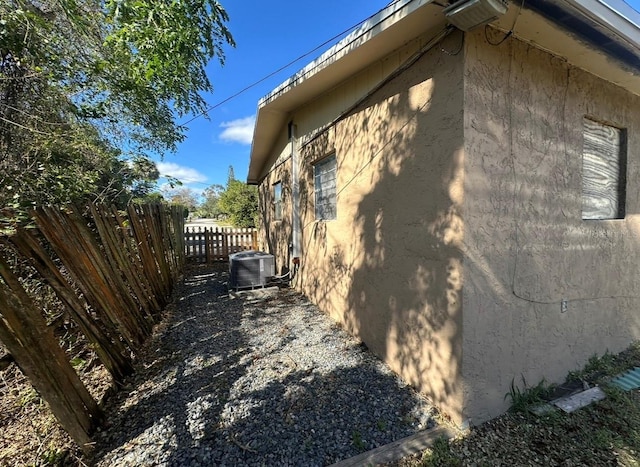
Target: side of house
x,y
465,203
552,231
380,211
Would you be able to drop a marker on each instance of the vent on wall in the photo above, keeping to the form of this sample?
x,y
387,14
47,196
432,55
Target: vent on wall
x,y
250,269
468,14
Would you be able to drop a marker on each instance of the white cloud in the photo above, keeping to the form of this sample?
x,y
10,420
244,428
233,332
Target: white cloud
x,y
238,131
184,174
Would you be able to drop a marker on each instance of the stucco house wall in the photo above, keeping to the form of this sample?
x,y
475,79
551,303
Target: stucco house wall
x,y
389,268
274,235
526,246
459,254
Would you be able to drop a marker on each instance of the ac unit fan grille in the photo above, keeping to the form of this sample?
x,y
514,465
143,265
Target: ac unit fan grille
x,y
250,269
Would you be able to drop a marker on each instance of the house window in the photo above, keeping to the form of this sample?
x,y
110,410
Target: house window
x,y
277,200
324,174
604,169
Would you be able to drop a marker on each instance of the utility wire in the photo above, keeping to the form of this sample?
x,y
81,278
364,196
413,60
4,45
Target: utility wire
x,y
284,67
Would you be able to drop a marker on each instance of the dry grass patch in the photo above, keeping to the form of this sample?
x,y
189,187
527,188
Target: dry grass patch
x,y
29,433
606,433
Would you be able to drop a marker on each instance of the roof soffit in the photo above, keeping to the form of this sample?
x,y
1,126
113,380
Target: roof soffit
x,y
570,33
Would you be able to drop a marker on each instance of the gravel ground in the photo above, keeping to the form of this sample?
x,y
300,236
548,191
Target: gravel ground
x,y
254,381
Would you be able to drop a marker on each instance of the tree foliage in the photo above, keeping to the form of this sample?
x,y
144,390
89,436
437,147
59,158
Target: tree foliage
x,y
210,206
167,46
185,197
239,202
89,88
231,176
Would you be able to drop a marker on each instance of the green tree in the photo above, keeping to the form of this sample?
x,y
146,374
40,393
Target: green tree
x,y
231,176
185,197
210,206
89,87
239,202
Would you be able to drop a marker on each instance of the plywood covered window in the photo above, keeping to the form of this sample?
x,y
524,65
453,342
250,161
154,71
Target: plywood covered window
x,y
324,181
604,169
277,201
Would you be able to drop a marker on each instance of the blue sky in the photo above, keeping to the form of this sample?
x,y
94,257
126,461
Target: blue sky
x,y
268,35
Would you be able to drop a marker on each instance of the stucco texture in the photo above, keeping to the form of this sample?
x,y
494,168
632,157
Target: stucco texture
x,y
389,268
526,247
465,169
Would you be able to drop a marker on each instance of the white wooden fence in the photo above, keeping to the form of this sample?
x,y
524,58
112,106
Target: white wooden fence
x,y
217,243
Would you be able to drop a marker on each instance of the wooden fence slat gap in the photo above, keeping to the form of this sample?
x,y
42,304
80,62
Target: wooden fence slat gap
x,y
113,273
216,243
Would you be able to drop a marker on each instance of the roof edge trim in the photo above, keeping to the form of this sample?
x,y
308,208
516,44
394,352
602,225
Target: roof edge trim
x,y
616,15
367,30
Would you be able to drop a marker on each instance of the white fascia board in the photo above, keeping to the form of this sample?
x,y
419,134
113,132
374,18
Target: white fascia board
x,y
369,29
616,15
333,66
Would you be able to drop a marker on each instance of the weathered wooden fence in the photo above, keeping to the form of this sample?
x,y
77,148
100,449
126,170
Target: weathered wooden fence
x,y
113,272
217,243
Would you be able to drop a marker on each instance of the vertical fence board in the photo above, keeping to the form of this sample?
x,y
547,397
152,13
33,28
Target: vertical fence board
x,y
116,253
216,244
125,270
149,261
26,335
73,246
67,245
110,351
156,243
178,229
135,261
120,272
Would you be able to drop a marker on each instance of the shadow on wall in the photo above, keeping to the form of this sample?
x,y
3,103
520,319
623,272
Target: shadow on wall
x,y
544,289
390,266
277,233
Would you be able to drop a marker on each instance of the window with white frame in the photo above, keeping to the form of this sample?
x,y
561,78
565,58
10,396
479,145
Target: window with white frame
x,y
324,176
277,201
604,168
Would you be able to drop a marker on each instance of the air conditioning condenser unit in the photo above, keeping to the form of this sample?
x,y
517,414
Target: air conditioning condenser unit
x,y
250,269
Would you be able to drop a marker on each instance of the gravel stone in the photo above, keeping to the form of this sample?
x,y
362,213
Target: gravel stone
x,y
230,381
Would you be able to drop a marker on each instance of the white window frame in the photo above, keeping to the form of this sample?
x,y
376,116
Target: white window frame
x,y
277,200
325,188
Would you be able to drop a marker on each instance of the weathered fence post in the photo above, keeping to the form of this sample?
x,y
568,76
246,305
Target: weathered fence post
x,y
125,272
25,333
116,253
76,247
135,260
207,245
109,349
178,225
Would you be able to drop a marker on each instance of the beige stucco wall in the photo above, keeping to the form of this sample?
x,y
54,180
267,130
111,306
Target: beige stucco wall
x,y
274,235
389,268
502,125
526,247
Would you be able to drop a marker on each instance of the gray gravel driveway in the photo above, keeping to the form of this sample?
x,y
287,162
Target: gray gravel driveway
x,y
253,381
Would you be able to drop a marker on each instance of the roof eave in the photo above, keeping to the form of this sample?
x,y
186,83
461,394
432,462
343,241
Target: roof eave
x,y
616,15
619,22
613,29
378,36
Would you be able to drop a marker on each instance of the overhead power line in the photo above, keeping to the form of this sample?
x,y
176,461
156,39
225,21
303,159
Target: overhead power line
x,y
284,67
